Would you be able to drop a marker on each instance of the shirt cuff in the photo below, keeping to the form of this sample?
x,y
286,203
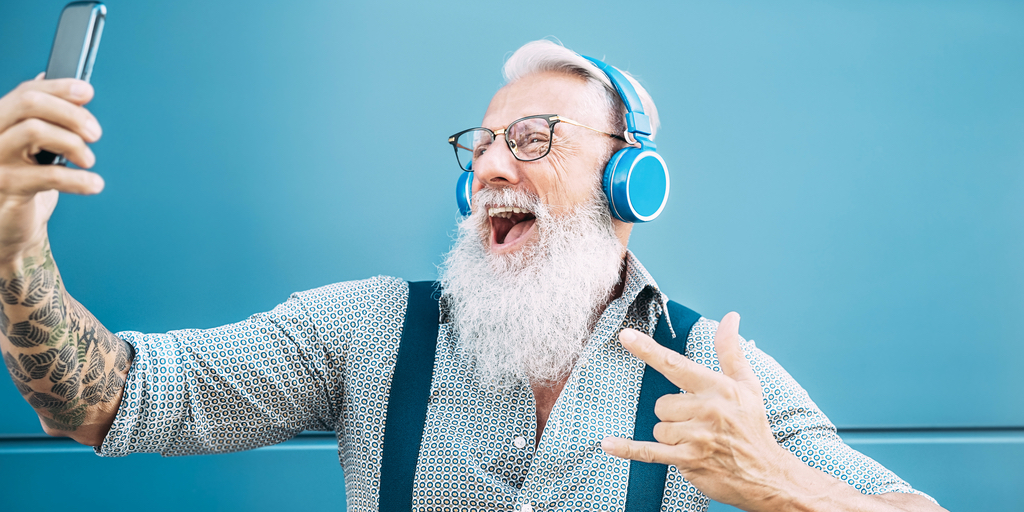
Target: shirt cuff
x,y
142,423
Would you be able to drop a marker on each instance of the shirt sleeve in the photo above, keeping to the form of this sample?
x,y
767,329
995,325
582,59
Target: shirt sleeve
x,y
244,385
797,423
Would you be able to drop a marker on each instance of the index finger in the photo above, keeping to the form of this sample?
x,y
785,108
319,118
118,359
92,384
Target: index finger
x,y
677,368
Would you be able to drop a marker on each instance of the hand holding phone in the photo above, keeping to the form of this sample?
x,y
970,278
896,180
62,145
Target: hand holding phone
x,y
45,114
74,51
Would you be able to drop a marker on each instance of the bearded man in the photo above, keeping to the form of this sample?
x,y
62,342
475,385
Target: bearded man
x,y
542,349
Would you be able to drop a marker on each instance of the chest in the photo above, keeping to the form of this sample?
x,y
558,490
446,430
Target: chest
x,y
544,396
481,447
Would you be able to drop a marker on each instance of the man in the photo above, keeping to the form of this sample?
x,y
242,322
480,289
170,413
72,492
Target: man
x,y
546,325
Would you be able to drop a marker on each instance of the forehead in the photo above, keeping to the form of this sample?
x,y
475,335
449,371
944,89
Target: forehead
x,y
540,93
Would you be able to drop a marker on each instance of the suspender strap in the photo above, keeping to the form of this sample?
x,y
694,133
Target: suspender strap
x,y
407,403
410,392
647,480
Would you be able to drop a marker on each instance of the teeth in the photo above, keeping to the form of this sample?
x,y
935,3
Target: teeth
x,y
505,211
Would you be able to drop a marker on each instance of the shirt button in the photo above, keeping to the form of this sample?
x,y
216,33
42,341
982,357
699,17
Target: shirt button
x,y
526,506
520,442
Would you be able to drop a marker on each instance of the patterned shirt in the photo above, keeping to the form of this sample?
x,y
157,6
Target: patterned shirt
x,y
323,360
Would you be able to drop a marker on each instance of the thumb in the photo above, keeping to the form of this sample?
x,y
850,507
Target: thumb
x,y
730,355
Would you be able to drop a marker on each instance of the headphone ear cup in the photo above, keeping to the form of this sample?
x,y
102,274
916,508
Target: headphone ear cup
x,y
636,182
464,193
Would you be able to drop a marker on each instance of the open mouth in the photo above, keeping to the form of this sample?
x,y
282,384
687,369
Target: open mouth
x,y
509,225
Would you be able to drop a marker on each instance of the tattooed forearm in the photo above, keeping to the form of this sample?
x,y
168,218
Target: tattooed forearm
x,y
61,359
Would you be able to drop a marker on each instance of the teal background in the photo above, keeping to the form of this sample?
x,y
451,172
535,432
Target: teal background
x,y
849,176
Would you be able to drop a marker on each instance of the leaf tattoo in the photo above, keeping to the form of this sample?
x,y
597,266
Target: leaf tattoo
x,y
63,360
27,335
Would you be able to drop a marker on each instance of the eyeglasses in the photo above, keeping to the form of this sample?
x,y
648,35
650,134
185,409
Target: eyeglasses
x,y
528,138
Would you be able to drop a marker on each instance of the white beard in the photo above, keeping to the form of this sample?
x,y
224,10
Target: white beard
x,y
526,317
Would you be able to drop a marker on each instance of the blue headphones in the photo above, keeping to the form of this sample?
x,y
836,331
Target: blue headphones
x,y
635,179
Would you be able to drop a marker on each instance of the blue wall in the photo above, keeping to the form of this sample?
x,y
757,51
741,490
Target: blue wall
x,y
849,176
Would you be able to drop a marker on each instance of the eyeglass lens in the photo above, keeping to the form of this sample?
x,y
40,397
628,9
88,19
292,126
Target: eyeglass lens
x,y
529,139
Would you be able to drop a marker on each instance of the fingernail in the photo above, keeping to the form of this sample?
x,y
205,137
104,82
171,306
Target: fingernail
x,y
79,90
608,443
92,128
97,183
627,336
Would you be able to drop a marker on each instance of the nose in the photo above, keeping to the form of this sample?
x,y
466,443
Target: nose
x,y
497,167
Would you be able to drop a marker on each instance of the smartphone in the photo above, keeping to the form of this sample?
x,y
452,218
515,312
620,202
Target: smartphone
x,y
74,51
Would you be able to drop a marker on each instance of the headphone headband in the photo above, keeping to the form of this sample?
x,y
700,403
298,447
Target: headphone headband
x,y
637,122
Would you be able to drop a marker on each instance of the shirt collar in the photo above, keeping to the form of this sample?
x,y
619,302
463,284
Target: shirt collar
x,y
641,290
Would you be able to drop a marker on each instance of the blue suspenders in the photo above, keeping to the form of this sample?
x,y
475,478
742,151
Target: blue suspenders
x,y
410,391
407,403
647,480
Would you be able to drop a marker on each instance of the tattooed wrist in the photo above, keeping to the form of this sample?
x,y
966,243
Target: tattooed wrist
x,y
61,359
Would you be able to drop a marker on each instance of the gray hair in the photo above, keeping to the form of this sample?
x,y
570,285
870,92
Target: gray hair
x,y
544,55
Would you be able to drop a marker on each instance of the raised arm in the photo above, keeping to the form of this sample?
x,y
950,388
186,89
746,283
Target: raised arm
x,y
68,367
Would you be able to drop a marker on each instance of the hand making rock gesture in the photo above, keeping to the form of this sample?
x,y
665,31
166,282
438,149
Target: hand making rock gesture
x,y
716,433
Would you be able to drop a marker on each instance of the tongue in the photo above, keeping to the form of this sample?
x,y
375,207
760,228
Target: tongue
x,y
517,231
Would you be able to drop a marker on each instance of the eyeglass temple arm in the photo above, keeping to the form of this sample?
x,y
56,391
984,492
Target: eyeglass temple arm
x,y
628,138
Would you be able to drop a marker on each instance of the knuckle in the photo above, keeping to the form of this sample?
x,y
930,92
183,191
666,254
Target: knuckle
x,y
716,409
675,360
33,128
733,392
644,453
663,406
662,433
30,100
702,443
690,458
700,437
